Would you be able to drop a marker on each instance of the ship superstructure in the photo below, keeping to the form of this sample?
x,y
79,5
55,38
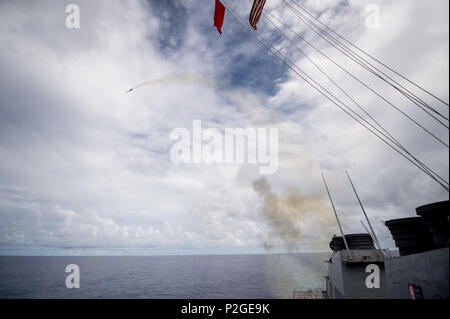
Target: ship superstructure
x,y
420,269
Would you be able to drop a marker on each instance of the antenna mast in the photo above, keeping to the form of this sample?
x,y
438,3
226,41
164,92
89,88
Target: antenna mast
x,y
337,218
364,211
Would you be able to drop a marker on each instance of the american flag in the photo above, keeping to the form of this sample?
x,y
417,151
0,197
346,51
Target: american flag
x,y
255,14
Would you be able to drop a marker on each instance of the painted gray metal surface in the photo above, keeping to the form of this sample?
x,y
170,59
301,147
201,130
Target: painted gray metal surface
x,y
347,278
429,270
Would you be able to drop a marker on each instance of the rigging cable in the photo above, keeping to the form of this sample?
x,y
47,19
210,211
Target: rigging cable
x,y
416,100
365,64
353,76
290,65
389,136
372,57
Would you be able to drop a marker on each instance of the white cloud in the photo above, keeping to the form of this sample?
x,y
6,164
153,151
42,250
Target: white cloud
x,y
84,165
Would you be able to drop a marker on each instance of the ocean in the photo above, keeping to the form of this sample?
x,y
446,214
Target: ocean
x,y
168,277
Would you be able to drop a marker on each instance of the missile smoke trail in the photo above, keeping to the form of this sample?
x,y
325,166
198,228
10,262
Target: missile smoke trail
x,y
177,79
238,96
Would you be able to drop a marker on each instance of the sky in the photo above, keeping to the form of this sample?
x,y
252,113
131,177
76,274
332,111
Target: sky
x,y
86,168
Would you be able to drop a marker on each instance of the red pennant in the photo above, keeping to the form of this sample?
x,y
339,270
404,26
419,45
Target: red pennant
x,y
219,15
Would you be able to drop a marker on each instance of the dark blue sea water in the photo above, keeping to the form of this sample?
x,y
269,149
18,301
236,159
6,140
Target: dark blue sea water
x,y
232,276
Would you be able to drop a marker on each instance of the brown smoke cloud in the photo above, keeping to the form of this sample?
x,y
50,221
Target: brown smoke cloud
x,y
293,217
